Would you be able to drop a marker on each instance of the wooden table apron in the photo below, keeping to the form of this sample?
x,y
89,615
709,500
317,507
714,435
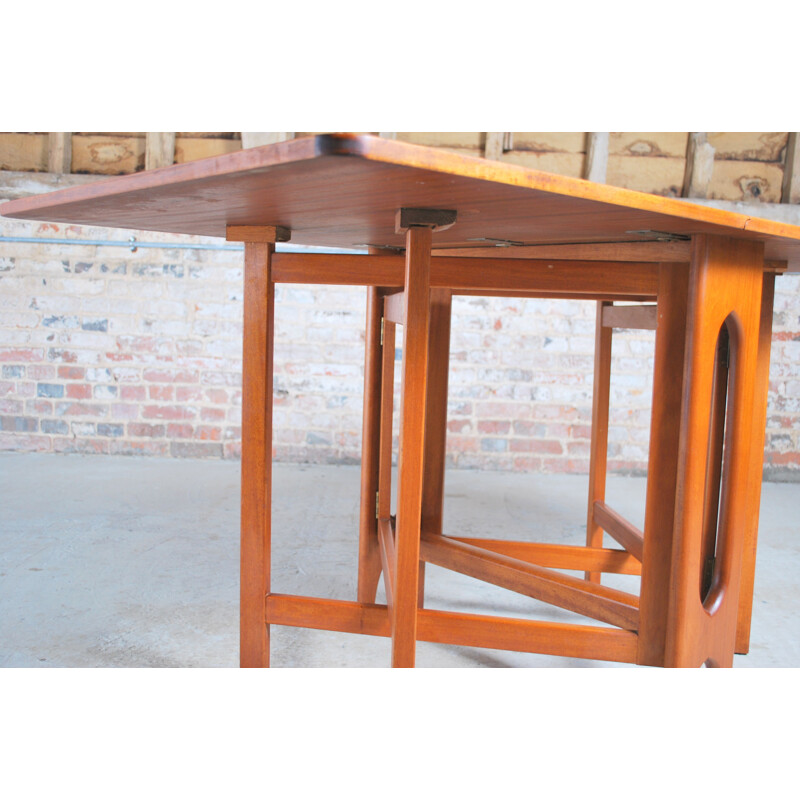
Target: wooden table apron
x,y
676,621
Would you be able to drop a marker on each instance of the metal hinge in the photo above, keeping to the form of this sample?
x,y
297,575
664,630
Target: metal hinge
x,y
377,505
383,320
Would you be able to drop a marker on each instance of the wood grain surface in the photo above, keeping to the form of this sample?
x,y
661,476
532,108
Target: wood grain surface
x,y
344,190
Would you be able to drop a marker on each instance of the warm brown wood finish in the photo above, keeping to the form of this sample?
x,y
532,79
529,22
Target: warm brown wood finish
x,y
257,372
725,284
388,560
412,444
552,277
518,232
663,463
598,457
574,594
561,556
331,190
447,627
760,396
369,560
436,411
638,317
616,526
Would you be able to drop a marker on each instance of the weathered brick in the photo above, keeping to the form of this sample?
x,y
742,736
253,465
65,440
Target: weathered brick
x,y
50,390
106,429
79,391
56,426
176,431
146,429
19,424
13,371
72,373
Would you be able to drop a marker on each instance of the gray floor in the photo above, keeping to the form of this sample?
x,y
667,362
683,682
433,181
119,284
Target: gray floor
x,y
123,562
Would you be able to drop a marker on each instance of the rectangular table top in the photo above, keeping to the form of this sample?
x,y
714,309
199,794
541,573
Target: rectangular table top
x,y
342,190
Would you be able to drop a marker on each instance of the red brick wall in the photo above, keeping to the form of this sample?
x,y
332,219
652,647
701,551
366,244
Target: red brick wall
x,y
107,351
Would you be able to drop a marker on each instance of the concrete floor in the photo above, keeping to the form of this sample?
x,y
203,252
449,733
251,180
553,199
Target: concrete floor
x,y
123,562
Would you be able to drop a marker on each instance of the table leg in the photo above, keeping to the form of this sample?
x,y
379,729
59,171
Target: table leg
x,y
757,465
598,459
436,419
662,468
257,369
369,557
725,286
412,444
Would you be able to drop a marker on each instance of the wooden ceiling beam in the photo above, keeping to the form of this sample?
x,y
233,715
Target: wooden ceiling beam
x,y
159,150
791,171
596,166
699,166
59,155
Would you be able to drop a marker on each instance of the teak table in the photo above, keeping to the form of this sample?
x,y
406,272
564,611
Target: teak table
x,y
435,224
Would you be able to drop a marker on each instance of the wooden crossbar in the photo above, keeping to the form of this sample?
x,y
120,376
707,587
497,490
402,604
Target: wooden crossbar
x,y
616,526
467,630
639,317
562,556
518,276
393,308
574,594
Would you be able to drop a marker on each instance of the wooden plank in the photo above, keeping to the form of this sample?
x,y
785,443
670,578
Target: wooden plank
x,y
192,148
550,142
640,317
699,166
561,556
107,154
748,146
616,526
659,176
790,192
256,502
480,274
574,594
598,454
59,156
260,139
647,147
747,181
24,152
468,630
159,150
596,167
